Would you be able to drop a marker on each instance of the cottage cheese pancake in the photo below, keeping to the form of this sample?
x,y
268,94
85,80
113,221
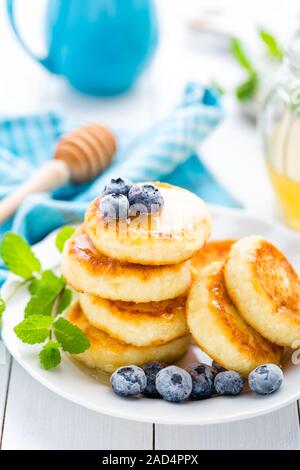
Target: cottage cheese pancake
x,y
215,250
218,328
107,353
265,289
169,237
143,324
87,270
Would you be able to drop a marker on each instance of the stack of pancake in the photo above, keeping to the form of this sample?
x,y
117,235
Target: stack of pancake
x,y
146,283
133,278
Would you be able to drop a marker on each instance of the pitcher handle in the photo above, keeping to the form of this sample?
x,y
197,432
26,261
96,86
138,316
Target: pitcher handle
x,y
11,16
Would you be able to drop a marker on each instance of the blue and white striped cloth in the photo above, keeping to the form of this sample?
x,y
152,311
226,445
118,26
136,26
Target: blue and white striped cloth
x,y
166,152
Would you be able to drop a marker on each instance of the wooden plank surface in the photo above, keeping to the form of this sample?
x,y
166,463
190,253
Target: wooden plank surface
x,y
5,362
278,430
34,417
38,419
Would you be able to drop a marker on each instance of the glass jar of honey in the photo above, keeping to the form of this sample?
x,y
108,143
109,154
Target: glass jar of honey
x,y
280,128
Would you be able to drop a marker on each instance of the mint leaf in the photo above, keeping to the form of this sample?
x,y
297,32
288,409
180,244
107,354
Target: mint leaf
x,y
63,235
47,280
40,305
71,338
247,89
240,54
45,291
50,355
65,300
273,48
33,286
18,256
2,308
34,330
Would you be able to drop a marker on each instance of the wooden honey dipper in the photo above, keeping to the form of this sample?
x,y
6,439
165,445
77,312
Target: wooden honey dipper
x,y
79,157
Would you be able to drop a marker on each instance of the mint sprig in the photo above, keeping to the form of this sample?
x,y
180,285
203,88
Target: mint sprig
x,y
49,298
246,90
249,87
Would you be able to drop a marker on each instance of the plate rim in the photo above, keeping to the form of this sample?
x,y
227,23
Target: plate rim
x,y
115,412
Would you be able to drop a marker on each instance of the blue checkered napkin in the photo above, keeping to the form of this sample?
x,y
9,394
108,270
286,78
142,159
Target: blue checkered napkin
x,y
166,152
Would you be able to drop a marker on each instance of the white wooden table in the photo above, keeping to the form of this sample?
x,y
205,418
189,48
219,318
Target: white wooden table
x,y
32,417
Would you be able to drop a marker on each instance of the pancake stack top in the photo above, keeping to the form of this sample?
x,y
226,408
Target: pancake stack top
x,y
129,262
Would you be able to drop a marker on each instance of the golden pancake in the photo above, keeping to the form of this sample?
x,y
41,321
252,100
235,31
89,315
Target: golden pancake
x,y
107,353
169,237
215,250
143,324
87,270
218,328
265,289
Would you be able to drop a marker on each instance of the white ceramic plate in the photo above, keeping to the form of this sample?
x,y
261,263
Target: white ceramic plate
x,y
70,382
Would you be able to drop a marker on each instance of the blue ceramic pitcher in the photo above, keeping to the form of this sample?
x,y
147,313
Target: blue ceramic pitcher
x,y
100,46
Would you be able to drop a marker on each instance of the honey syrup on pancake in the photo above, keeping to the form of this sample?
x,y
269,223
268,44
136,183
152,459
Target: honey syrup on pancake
x,y
243,336
76,316
166,308
182,213
82,246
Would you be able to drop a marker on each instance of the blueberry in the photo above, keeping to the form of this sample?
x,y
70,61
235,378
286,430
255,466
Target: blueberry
x,y
218,367
114,206
202,380
128,381
145,199
174,384
117,186
265,379
229,383
151,370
